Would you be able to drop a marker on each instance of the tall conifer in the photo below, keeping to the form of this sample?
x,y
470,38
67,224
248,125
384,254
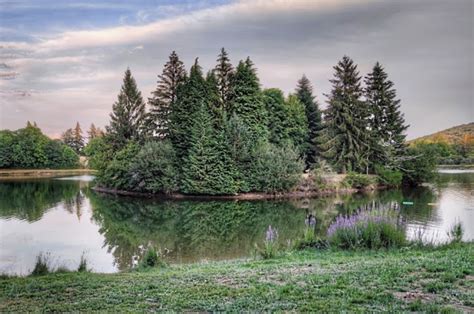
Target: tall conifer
x,y
224,72
128,113
304,92
345,139
164,96
386,122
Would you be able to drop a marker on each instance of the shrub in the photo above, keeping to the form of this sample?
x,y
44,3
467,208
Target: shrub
x,y
98,153
420,164
357,180
153,169
372,229
389,177
117,173
152,259
42,266
82,265
456,233
270,245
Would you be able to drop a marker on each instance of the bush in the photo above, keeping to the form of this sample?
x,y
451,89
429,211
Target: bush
x,y
153,169
98,153
151,259
371,229
388,177
275,169
420,164
117,173
83,265
456,233
357,180
42,266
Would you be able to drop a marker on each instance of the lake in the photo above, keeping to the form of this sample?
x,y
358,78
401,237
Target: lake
x,y
65,219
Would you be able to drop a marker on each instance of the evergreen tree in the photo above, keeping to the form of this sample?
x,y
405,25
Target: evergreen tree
x,y
274,101
304,92
204,171
191,95
164,96
214,100
68,138
224,72
386,122
78,139
246,99
296,124
344,140
128,113
94,132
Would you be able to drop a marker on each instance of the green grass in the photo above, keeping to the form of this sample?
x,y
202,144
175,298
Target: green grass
x,y
409,279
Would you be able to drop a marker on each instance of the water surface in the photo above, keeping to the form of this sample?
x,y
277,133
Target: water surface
x,y
65,218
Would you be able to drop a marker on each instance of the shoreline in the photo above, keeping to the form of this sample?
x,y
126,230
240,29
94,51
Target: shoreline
x,y
14,174
239,197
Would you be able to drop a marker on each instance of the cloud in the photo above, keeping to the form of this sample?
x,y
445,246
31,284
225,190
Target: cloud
x,y
425,46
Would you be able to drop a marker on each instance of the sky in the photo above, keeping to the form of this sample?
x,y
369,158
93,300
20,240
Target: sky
x,y
63,61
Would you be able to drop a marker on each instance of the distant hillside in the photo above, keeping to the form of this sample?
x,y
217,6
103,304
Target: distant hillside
x,y
456,135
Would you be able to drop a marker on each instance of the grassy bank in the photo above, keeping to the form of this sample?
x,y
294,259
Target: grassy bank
x,y
417,279
42,173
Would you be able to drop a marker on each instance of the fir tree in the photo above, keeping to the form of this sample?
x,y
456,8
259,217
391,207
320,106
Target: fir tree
x,y
386,122
246,99
94,132
344,141
68,137
304,92
204,171
296,124
78,139
214,100
164,96
224,72
128,113
191,95
274,101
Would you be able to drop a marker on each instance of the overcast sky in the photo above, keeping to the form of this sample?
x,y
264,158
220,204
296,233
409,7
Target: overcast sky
x,y
63,61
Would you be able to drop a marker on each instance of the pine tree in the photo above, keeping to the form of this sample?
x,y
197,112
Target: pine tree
x,y
78,139
204,171
214,101
304,92
164,96
386,122
296,124
224,72
68,138
94,132
345,141
128,113
274,101
246,99
191,95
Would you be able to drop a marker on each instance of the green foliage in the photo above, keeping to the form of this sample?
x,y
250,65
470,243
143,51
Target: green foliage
x,y
387,177
83,265
456,233
345,138
164,97
358,181
128,115
42,265
205,170
151,259
275,169
224,72
98,152
30,148
116,174
304,92
154,168
370,235
420,164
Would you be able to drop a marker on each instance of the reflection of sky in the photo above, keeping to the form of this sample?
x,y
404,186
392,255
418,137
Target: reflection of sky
x,y
62,234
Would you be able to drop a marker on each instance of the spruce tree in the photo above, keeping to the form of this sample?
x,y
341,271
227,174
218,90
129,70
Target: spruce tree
x,y
68,138
296,124
191,95
128,113
304,92
204,170
224,72
274,101
386,122
214,99
246,99
345,140
164,96
94,132
78,139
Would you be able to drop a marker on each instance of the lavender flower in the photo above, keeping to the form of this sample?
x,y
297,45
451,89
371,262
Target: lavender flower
x,y
271,234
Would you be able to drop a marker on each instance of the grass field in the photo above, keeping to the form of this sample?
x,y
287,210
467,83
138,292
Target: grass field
x,y
410,279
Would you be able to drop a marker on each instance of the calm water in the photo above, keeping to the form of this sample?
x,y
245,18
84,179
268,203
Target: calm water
x,y
64,218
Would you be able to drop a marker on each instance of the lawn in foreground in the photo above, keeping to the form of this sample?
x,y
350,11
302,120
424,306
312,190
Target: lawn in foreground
x,y
407,279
